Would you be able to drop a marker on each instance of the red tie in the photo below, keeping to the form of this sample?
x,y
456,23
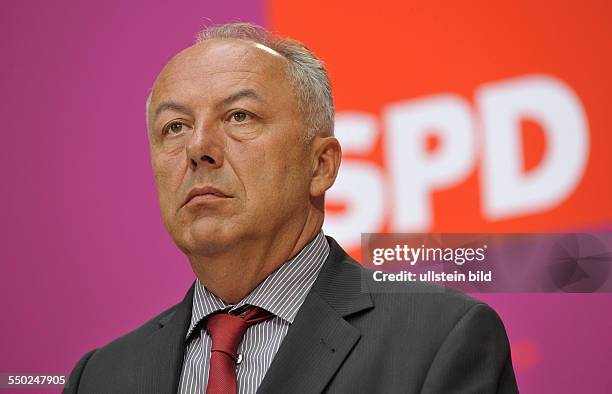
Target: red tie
x,y
226,331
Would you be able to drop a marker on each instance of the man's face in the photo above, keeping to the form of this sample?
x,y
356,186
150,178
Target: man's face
x,y
227,146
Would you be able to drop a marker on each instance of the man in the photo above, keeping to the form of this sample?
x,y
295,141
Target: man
x,y
241,135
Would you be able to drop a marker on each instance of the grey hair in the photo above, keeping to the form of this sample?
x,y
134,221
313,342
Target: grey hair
x,y
305,72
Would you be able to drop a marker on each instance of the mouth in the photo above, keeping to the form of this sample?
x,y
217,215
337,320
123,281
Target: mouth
x,y
205,194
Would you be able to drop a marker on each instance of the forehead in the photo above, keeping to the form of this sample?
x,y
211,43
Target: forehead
x,y
215,66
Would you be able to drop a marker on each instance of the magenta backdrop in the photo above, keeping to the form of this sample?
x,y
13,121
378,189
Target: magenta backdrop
x,y
85,257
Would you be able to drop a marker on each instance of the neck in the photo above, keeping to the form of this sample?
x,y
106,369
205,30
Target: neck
x,y
234,272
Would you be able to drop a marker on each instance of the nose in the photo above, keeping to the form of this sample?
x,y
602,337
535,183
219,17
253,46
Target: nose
x,y
205,148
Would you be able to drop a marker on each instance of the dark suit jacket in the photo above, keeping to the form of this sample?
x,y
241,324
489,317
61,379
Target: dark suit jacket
x,y
351,335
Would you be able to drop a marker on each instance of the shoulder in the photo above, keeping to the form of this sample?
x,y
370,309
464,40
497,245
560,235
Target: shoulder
x,y
127,342
406,306
117,358
423,317
141,333
433,310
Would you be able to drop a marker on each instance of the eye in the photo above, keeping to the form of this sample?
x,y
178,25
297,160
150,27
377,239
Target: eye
x,y
240,117
174,128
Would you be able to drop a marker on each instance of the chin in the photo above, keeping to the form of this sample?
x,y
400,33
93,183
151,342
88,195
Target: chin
x,y
206,238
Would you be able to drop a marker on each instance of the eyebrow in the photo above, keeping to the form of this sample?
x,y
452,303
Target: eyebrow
x,y
175,106
244,93
169,106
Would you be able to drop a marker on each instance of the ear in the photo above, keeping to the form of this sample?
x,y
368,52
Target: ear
x,y
327,155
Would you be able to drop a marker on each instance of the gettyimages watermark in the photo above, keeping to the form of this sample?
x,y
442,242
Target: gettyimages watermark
x,y
489,263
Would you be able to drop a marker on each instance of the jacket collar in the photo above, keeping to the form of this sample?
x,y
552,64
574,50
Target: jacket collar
x,y
341,282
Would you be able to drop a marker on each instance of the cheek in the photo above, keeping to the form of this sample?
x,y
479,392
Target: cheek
x,y
248,161
168,171
269,174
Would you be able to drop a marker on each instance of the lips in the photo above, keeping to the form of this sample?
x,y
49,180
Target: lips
x,y
206,192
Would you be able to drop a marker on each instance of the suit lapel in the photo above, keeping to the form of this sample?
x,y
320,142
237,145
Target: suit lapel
x,y
320,339
161,362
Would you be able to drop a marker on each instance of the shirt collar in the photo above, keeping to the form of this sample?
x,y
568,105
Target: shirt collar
x,y
282,292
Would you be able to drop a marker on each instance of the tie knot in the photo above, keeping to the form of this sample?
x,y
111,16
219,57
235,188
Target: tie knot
x,y
226,330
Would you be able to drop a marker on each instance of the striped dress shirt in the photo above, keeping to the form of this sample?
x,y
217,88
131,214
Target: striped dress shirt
x,y
281,293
